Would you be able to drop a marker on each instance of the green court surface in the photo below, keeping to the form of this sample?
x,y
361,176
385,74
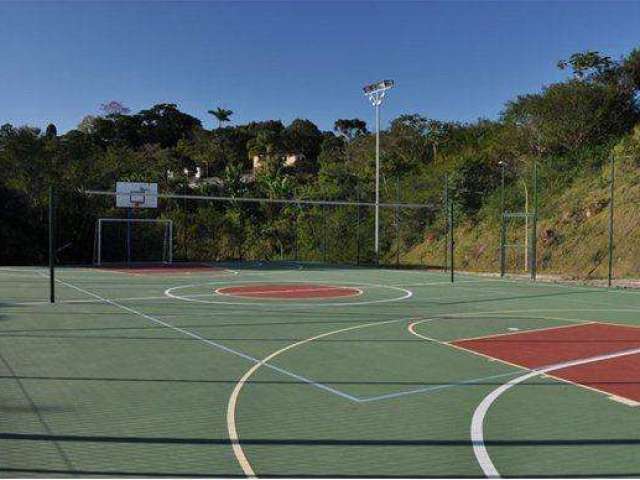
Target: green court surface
x,y
156,373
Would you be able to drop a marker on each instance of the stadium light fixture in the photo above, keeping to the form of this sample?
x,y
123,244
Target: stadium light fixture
x,y
376,93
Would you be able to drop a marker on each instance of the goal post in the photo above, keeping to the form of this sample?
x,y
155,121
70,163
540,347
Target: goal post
x,y
133,240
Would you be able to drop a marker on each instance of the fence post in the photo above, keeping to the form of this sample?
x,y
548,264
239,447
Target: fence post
x,y
446,223
358,229
324,233
503,246
451,241
397,222
295,233
534,230
611,197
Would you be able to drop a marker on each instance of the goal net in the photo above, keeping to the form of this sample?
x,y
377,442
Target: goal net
x,y
133,240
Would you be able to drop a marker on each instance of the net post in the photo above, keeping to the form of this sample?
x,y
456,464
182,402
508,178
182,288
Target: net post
x,y
611,211
52,261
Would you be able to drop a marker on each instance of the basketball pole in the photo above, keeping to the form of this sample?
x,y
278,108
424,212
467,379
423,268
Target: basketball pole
x,y
129,216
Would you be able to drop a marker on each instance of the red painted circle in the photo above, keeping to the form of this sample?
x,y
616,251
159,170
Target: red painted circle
x,y
289,291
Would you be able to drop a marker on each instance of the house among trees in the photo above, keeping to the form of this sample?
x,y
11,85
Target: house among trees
x,y
288,160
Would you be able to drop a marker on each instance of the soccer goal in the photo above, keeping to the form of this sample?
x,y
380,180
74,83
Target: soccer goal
x,y
133,240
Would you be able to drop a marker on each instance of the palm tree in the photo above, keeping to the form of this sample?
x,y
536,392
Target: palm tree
x,y
222,114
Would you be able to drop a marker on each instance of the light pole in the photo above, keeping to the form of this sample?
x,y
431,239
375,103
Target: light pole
x,y
376,92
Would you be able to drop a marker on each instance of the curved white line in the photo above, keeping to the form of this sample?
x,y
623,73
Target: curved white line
x,y
233,399
477,422
407,294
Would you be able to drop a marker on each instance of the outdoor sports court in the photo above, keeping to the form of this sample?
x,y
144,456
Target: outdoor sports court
x,y
308,370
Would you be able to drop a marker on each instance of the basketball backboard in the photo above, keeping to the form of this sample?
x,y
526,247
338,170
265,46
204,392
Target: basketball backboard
x,y
136,195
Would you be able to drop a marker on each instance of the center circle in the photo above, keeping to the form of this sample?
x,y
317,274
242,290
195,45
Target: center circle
x,y
368,294
293,291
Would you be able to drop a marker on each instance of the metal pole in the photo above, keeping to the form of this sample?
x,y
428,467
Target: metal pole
x,y
397,222
99,242
446,227
503,227
170,242
295,234
52,261
324,234
377,220
451,241
129,236
503,246
611,197
534,230
358,231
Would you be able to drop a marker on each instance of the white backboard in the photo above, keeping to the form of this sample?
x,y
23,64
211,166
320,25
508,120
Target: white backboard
x,y
136,195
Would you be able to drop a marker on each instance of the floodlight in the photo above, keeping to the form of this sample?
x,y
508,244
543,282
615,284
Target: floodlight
x,y
378,86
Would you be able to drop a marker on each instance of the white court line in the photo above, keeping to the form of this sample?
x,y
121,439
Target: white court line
x,y
233,399
212,343
477,422
435,388
190,298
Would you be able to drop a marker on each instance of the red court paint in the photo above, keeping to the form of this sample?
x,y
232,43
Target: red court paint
x,y
289,291
534,349
619,376
163,269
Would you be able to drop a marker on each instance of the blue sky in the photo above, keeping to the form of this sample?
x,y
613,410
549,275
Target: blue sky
x,y
451,60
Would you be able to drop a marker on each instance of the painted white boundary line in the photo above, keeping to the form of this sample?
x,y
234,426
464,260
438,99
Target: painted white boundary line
x,y
212,343
477,422
169,292
435,388
233,399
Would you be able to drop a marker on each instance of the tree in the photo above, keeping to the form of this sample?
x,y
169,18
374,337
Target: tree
x,y
303,139
590,65
223,115
165,124
570,115
351,128
87,124
51,131
114,108
269,147
406,144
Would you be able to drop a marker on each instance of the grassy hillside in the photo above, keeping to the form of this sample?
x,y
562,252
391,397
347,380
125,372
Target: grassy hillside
x,y
573,223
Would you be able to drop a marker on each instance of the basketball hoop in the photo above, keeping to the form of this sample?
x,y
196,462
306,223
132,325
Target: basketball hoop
x,y
135,195
137,199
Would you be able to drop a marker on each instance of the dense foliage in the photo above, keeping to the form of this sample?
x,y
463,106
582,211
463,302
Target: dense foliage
x,y
567,127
